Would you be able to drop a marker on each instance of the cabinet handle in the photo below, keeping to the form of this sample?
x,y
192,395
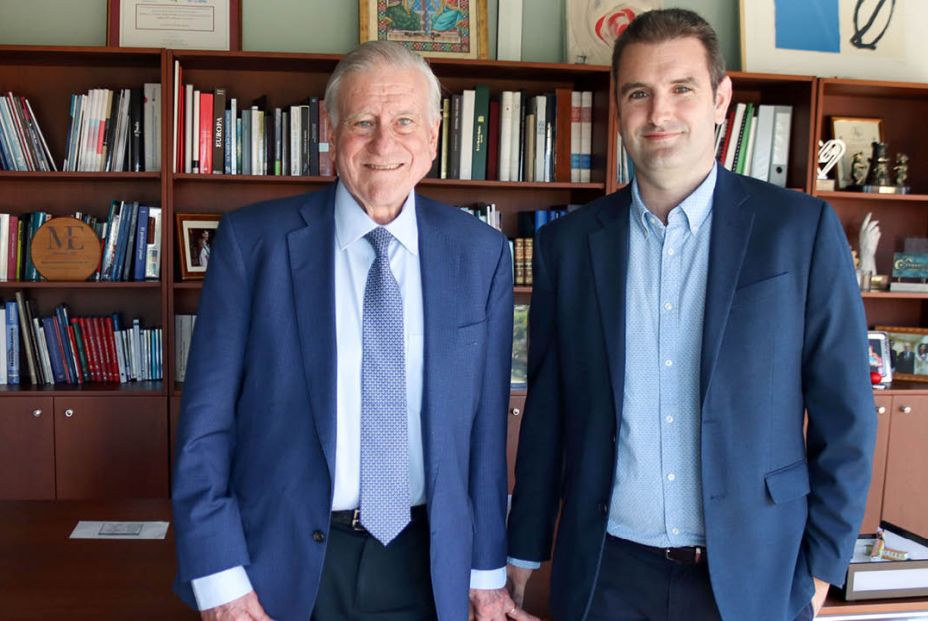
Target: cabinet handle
x,y
516,411
37,413
69,412
881,409
905,409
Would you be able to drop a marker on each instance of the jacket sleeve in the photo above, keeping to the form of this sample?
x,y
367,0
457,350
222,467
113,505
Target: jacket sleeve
x,y
209,531
839,401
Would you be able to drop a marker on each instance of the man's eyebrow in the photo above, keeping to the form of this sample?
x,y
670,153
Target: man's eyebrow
x,y
630,86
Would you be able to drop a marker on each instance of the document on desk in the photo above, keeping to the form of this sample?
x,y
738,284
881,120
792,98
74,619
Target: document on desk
x,y
120,530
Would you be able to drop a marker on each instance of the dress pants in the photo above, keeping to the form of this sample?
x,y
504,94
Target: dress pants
x,y
363,580
636,584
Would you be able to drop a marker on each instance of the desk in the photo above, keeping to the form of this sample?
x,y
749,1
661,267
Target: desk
x,y
44,575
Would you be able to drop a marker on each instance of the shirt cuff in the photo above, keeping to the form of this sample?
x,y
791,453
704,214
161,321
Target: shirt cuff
x,y
221,588
488,578
517,562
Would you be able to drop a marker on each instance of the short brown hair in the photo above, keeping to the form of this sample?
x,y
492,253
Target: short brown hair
x,y
665,25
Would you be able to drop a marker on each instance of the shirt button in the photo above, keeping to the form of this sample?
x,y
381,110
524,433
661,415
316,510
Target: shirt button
x,y
669,419
668,363
670,252
668,306
318,536
671,477
675,531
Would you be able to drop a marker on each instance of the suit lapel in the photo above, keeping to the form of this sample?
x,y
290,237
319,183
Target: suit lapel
x,y
312,271
731,230
609,255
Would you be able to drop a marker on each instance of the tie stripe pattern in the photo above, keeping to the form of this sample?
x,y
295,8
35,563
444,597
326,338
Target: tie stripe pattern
x,y
384,438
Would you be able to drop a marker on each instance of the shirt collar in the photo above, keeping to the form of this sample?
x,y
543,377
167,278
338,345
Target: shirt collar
x,y
352,222
696,207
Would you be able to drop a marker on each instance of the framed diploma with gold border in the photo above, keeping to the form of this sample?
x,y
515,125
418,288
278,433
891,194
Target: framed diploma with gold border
x,y
175,24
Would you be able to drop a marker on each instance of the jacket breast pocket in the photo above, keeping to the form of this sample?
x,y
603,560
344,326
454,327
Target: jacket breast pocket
x,y
760,290
788,483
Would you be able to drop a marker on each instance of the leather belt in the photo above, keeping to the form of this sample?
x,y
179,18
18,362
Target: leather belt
x,y
352,517
691,555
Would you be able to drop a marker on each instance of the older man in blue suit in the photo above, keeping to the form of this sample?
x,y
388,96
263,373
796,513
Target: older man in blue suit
x,y
679,330
341,451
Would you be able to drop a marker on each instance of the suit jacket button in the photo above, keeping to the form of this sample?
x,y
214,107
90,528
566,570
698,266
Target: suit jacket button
x,y
318,536
603,508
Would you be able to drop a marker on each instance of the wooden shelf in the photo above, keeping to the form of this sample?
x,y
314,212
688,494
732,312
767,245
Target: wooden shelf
x,y
129,389
835,605
90,284
868,196
893,295
79,176
189,177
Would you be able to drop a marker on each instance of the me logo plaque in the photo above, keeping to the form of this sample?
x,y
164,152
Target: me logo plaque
x,y
65,249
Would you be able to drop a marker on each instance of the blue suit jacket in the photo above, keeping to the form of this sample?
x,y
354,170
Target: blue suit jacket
x,y
784,331
256,445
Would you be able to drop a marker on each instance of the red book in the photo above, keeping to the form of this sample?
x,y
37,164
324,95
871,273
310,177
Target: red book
x,y
493,142
562,144
109,336
94,355
206,133
100,334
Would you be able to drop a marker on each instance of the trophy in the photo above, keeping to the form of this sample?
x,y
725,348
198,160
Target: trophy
x,y
829,153
878,179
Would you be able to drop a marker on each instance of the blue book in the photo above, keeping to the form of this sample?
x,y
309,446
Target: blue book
x,y
227,138
12,343
61,321
54,349
125,222
541,218
141,244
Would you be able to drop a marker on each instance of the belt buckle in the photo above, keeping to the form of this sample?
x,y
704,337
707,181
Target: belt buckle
x,y
356,521
693,560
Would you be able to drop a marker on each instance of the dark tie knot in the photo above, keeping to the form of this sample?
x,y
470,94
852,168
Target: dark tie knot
x,y
380,240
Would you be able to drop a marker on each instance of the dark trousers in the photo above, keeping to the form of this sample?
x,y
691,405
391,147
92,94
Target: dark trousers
x,y
362,580
638,585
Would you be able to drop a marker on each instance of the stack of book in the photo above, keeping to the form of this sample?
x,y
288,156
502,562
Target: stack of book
x,y
754,141
22,144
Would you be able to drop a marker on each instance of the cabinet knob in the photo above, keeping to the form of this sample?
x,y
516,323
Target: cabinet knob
x,y
881,409
515,411
37,413
905,409
69,412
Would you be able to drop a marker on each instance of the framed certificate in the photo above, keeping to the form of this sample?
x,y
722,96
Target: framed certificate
x,y
175,24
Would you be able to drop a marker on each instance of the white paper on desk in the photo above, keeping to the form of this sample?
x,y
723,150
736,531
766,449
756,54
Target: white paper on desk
x,y
120,530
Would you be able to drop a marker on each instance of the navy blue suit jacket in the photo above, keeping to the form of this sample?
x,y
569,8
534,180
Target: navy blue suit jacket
x,y
254,472
784,331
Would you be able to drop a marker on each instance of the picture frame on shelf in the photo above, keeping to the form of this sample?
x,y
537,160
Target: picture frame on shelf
x,y
592,26
195,234
858,135
880,356
908,351
433,28
180,24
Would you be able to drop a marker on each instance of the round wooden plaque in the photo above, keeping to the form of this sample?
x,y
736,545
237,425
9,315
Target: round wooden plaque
x,y
65,249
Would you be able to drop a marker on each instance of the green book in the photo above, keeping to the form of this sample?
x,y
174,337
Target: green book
x,y
481,131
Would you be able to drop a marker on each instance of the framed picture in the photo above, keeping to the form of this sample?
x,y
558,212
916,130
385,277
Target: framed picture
x,y
880,356
195,233
436,28
593,26
178,24
858,135
908,348
842,38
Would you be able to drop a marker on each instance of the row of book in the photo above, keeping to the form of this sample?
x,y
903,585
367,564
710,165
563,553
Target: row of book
x,y
115,131
22,143
130,239
214,134
63,349
515,137
753,140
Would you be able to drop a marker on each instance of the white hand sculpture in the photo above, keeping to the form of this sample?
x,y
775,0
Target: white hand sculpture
x,y
869,238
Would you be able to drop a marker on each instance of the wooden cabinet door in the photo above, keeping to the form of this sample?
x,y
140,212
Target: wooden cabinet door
x,y
905,502
884,406
111,447
27,448
174,419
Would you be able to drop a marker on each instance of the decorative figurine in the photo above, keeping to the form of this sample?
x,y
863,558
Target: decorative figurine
x,y
859,167
829,153
878,175
869,238
901,169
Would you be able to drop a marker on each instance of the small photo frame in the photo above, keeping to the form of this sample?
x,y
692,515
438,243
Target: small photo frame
x,y
880,356
908,349
178,24
435,28
195,235
858,135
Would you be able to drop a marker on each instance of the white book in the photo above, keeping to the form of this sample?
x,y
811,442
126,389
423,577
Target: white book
x,y
445,136
195,137
87,124
43,351
515,146
188,128
153,249
177,100
3,345
763,143
233,136
146,127
779,156
4,251
120,356
152,121
735,136
586,135
135,339
505,135
720,130
106,117
540,105
467,133
257,140
296,126
575,104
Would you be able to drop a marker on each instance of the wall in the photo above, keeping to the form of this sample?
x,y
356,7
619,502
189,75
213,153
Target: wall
x,y
321,26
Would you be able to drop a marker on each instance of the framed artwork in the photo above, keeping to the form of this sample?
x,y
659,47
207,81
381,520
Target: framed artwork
x,y
908,349
842,38
879,356
178,24
592,27
195,234
436,28
858,134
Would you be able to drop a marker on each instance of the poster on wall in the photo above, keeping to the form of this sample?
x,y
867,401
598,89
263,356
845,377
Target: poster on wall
x,y
592,27
437,28
866,39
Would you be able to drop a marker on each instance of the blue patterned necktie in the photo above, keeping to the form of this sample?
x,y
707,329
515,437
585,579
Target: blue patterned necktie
x,y
384,439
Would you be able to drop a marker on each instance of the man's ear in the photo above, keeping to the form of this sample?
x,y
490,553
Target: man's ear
x,y
722,99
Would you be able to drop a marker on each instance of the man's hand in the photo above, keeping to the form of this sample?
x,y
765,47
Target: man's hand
x,y
821,592
245,608
495,605
516,579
